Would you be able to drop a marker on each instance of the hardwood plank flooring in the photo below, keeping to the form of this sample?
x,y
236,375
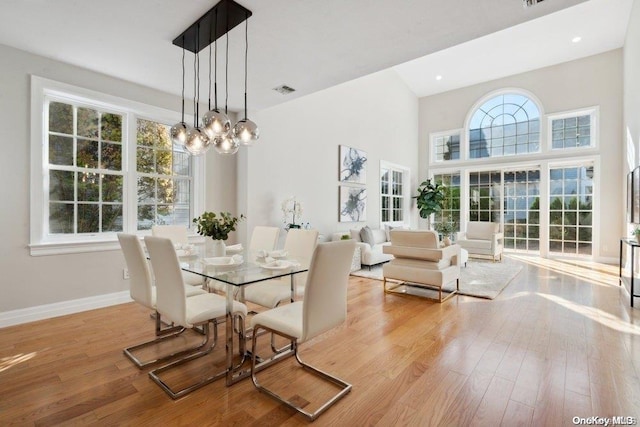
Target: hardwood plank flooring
x,y
560,341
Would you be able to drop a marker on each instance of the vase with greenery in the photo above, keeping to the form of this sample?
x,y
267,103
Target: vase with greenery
x,y
430,198
636,233
446,228
218,227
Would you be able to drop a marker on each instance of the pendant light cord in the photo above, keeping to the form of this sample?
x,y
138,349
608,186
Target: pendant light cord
x,y
246,54
215,80
182,121
226,75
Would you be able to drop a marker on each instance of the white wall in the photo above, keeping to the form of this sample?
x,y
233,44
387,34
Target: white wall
x,y
631,157
297,154
28,281
587,82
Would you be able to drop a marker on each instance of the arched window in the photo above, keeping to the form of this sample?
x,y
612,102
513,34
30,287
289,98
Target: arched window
x,y
505,125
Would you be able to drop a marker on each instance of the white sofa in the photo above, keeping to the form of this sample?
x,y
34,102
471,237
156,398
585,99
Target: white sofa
x,y
482,238
370,254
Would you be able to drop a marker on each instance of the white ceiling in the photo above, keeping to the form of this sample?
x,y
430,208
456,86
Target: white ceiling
x,y
315,44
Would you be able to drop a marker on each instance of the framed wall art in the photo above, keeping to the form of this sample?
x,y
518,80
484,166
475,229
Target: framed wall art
x,y
353,204
353,165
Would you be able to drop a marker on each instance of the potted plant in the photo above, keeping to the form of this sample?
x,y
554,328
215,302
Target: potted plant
x,y
218,227
636,232
430,198
446,228
292,212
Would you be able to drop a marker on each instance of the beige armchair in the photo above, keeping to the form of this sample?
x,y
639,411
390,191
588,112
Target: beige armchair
x,y
420,264
482,238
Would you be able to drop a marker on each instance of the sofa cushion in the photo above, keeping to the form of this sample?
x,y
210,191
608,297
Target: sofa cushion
x,y
379,236
355,234
366,234
477,230
475,244
388,228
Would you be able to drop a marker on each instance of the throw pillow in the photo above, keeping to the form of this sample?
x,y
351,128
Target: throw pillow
x,y
367,235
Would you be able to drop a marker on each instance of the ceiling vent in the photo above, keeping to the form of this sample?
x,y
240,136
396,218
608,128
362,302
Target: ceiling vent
x,y
284,89
529,3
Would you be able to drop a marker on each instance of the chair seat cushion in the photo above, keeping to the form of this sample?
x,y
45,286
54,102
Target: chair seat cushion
x,y
286,319
269,293
192,278
473,243
418,263
201,308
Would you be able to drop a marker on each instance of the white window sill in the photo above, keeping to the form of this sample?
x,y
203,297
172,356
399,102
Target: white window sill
x,y
77,247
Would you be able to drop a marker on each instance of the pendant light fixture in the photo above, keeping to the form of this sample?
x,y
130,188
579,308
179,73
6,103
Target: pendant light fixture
x,y
226,143
246,131
216,128
215,123
179,131
198,142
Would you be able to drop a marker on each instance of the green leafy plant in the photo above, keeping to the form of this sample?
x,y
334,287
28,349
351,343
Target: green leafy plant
x,y
636,231
345,237
446,228
430,198
215,226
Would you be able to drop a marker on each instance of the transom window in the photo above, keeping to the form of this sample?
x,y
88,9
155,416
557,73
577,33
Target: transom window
x,y
446,147
573,130
505,125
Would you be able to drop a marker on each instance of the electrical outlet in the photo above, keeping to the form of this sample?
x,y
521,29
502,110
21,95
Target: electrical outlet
x,y
125,273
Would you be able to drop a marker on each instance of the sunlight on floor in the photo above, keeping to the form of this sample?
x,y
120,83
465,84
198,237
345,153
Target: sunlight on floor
x,y
595,314
10,362
588,271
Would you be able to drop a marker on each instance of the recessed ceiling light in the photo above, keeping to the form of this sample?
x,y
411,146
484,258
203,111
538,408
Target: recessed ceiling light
x,y
438,77
576,39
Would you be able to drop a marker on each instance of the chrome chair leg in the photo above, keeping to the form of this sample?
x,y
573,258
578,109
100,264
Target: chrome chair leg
x,y
176,394
344,386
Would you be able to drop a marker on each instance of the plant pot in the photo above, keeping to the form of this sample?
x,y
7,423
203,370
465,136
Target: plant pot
x,y
218,248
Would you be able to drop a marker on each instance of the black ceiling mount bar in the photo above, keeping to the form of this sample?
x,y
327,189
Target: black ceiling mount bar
x,y
230,14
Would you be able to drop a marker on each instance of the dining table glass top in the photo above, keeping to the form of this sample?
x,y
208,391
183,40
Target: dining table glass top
x,y
238,268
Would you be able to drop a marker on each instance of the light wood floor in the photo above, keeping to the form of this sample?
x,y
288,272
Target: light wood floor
x,y
560,341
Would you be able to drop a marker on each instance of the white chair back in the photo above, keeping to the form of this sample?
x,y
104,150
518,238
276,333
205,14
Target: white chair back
x,y
264,238
325,297
170,290
140,279
301,243
175,233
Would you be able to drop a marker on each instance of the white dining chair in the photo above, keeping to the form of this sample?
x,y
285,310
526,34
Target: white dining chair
x,y
263,238
299,246
179,236
142,291
323,307
199,310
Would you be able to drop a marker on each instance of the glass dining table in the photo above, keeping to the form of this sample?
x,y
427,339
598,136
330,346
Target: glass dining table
x,y
235,271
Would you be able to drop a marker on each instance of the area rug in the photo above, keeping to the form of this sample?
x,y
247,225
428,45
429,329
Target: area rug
x,y
482,279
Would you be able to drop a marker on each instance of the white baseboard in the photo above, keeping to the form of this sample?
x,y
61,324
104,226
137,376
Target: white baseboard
x,y
608,260
47,311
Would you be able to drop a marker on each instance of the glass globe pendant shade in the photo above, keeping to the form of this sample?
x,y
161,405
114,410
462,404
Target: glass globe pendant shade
x,y
179,133
197,142
215,123
246,132
226,144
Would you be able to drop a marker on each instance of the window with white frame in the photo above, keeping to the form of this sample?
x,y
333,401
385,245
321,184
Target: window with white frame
x,y
450,211
445,146
393,193
85,190
505,125
94,175
573,129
